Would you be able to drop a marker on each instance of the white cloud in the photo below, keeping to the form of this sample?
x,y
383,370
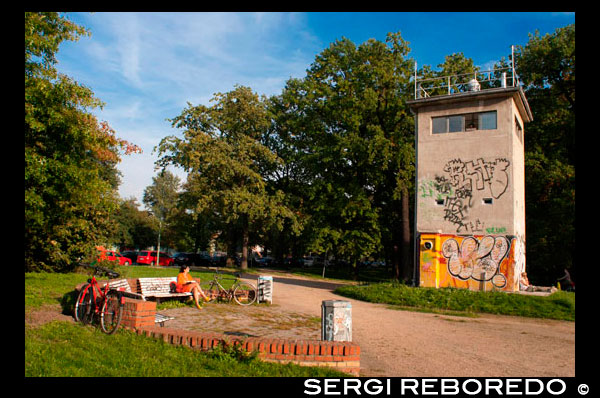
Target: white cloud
x,y
128,47
146,66
489,65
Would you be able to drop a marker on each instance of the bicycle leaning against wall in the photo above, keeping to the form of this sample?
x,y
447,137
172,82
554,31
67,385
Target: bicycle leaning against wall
x,y
95,303
243,293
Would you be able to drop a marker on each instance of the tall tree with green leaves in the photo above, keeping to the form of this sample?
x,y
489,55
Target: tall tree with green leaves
x,y
161,198
353,149
546,66
226,162
70,157
134,228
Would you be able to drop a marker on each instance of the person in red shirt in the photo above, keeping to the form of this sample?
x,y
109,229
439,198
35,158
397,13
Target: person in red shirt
x,y
187,284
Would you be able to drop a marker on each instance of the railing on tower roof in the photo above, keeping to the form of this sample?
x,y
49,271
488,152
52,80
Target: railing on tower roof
x,y
467,82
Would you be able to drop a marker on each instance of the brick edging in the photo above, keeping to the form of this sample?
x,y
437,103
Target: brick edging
x,y
343,356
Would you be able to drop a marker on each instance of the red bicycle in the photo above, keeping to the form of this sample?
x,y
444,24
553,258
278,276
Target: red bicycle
x,y
94,303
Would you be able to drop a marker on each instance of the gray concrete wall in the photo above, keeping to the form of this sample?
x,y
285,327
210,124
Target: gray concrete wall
x,y
457,171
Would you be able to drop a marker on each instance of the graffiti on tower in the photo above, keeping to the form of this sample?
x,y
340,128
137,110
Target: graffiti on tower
x,y
455,188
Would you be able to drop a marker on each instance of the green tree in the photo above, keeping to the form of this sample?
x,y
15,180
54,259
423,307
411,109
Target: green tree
x,y
546,66
162,197
460,68
451,76
353,148
70,158
135,228
222,152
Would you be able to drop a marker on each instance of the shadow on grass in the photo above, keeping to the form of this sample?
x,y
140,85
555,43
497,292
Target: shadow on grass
x,y
67,302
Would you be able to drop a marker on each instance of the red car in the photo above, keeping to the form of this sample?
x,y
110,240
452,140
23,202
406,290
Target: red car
x,y
111,255
149,257
116,256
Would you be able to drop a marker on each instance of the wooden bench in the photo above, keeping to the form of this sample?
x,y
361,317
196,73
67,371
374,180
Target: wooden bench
x,y
159,288
123,286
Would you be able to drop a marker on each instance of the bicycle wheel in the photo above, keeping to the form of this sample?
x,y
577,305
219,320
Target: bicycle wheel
x,y
84,309
111,313
244,293
211,291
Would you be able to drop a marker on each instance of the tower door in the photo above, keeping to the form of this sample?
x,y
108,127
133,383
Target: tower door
x,y
429,264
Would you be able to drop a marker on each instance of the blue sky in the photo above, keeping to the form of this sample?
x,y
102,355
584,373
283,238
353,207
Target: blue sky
x,y
147,66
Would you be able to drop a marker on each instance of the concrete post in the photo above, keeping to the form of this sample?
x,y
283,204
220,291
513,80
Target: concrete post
x,y
336,320
265,289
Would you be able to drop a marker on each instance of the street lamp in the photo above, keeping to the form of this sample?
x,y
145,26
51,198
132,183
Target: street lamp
x,y
159,231
158,249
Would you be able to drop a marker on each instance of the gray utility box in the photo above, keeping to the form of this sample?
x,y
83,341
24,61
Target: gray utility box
x,y
336,320
265,289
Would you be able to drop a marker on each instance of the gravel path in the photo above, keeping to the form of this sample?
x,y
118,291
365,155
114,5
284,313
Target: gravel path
x,y
400,343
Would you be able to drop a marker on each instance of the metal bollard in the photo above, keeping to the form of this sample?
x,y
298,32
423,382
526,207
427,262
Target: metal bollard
x,y
336,320
265,289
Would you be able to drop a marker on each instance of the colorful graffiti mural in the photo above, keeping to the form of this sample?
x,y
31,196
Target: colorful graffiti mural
x,y
483,262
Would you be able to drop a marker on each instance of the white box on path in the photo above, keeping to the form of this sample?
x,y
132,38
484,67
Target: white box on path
x,y
336,320
265,289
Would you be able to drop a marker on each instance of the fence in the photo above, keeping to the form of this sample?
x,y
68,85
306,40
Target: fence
x,y
466,82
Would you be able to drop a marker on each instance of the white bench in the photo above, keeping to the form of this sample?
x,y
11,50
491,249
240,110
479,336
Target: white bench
x,y
158,288
121,285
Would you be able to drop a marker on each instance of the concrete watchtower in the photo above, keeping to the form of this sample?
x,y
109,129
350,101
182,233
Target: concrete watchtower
x,y
470,196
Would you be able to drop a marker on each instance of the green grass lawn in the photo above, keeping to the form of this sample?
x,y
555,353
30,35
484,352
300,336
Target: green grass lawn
x,y
559,305
64,349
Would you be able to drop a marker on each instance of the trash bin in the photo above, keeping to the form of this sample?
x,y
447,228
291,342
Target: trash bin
x,y
336,320
265,289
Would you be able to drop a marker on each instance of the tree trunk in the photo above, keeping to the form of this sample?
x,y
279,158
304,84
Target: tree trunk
x,y
245,239
355,273
396,262
407,268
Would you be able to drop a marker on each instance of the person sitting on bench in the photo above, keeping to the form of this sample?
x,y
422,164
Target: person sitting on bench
x,y
188,284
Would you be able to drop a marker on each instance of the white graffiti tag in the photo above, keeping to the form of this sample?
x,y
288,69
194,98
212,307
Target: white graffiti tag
x,y
478,260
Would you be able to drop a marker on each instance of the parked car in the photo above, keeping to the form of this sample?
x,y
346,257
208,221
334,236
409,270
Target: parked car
x,y
264,261
180,259
318,261
308,261
130,254
338,263
149,257
191,259
291,262
205,260
111,255
378,263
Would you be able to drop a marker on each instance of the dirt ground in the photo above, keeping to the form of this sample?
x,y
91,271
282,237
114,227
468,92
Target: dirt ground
x,y
394,342
401,343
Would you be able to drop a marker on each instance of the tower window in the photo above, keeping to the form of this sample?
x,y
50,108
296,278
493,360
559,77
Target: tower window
x,y
464,122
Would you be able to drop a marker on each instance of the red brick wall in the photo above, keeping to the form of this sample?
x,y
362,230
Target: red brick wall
x,y
138,313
